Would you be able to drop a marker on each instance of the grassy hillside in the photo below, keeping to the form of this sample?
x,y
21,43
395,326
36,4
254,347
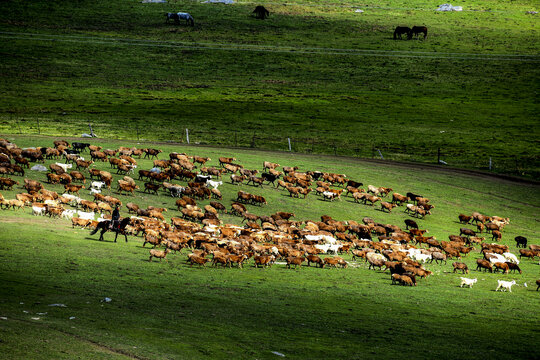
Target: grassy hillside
x,y
331,79
169,310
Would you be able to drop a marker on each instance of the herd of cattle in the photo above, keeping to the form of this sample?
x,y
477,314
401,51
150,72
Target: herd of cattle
x,y
266,239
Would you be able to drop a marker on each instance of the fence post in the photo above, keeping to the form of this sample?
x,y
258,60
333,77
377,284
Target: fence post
x,y
187,136
490,163
438,155
289,141
380,153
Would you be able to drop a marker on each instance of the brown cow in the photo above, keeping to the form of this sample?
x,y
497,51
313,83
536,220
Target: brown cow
x,y
71,188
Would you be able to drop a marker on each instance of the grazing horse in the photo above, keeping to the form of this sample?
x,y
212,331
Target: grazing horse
x,y
180,16
172,16
261,12
416,30
104,227
400,30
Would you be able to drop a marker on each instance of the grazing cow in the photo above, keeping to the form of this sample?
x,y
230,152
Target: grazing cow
x,y
527,253
466,232
483,264
261,12
502,266
467,282
460,266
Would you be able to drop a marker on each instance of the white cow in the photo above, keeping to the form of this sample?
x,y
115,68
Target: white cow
x,y
68,214
64,166
422,257
468,282
214,184
74,200
97,185
496,258
511,258
86,215
505,285
38,210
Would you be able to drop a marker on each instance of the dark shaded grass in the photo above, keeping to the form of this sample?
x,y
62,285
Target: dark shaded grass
x,y
327,103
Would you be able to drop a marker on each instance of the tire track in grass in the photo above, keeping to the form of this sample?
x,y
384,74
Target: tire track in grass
x,y
92,343
267,48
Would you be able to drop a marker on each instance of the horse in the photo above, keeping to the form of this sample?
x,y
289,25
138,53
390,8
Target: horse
x,y
261,12
416,30
104,227
400,30
172,16
180,16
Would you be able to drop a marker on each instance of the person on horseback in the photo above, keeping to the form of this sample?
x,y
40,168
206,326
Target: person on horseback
x,y
115,218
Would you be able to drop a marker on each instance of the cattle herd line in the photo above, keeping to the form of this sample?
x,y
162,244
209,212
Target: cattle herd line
x,y
263,238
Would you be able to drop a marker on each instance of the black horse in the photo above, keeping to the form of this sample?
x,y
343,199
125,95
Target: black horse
x,y
261,12
416,30
104,226
400,30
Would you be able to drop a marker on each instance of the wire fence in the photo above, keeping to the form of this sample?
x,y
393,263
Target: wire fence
x,y
527,166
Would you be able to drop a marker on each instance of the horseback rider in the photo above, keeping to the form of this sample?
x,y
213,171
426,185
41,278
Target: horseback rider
x,y
115,217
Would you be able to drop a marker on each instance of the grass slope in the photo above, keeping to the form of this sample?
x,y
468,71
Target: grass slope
x,y
331,79
169,310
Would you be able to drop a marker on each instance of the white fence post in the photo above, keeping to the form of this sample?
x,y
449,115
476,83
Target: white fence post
x,y
187,136
289,141
490,163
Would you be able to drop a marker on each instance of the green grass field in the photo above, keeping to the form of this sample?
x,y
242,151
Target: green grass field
x,y
167,310
331,79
